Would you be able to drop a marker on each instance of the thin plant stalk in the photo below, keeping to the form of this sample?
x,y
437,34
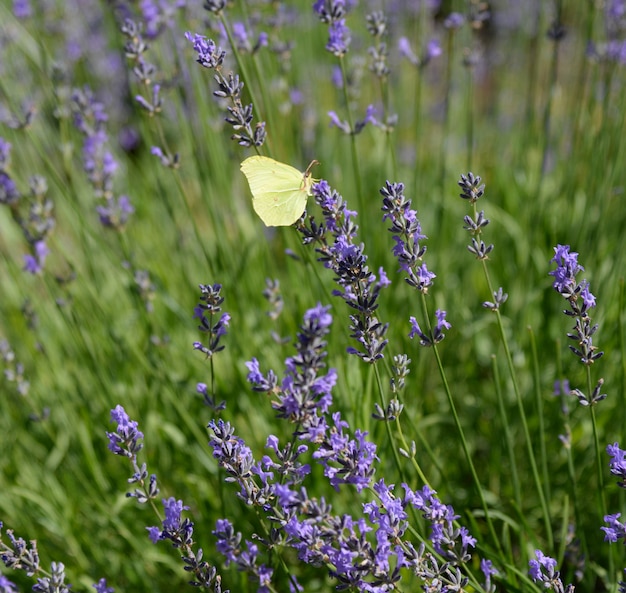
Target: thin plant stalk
x,y
508,435
540,415
461,432
353,150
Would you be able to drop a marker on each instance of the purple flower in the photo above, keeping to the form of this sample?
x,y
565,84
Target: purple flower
x,y
615,9
543,569
33,264
8,191
173,510
125,440
228,542
153,105
305,392
154,533
338,38
415,329
441,322
451,542
115,214
432,50
336,77
7,586
256,378
580,300
22,9
332,12
344,126
101,587
157,15
487,568
329,10
561,387
454,20
345,460
424,278
566,270
178,531
405,51
233,455
588,299
407,233
171,162
5,153
616,530
617,464
437,334
358,286
242,39
209,54
206,311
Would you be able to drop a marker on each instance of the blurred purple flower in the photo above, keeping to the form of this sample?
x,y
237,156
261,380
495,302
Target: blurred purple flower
x,y
207,309
8,190
454,20
115,213
209,54
101,587
543,568
33,263
432,50
7,586
338,38
22,9
242,39
5,153
561,387
617,464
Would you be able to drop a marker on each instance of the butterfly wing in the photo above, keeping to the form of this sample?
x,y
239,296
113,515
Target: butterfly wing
x,y
278,194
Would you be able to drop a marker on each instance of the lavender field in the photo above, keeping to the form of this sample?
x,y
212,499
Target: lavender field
x,y
312,296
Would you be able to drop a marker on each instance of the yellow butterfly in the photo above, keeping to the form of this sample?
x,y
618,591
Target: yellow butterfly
x,y
279,191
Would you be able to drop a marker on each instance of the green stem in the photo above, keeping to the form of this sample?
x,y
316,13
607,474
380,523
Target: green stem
x,y
394,449
355,157
540,416
470,117
459,427
522,415
445,128
520,405
508,435
260,107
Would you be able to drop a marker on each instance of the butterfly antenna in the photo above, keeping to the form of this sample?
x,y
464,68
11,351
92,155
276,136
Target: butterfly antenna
x,y
312,164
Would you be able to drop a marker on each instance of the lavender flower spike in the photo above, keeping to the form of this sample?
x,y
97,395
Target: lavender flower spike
x,y
617,464
210,303
178,531
125,440
615,530
101,587
580,301
407,234
566,270
543,570
437,333
209,54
